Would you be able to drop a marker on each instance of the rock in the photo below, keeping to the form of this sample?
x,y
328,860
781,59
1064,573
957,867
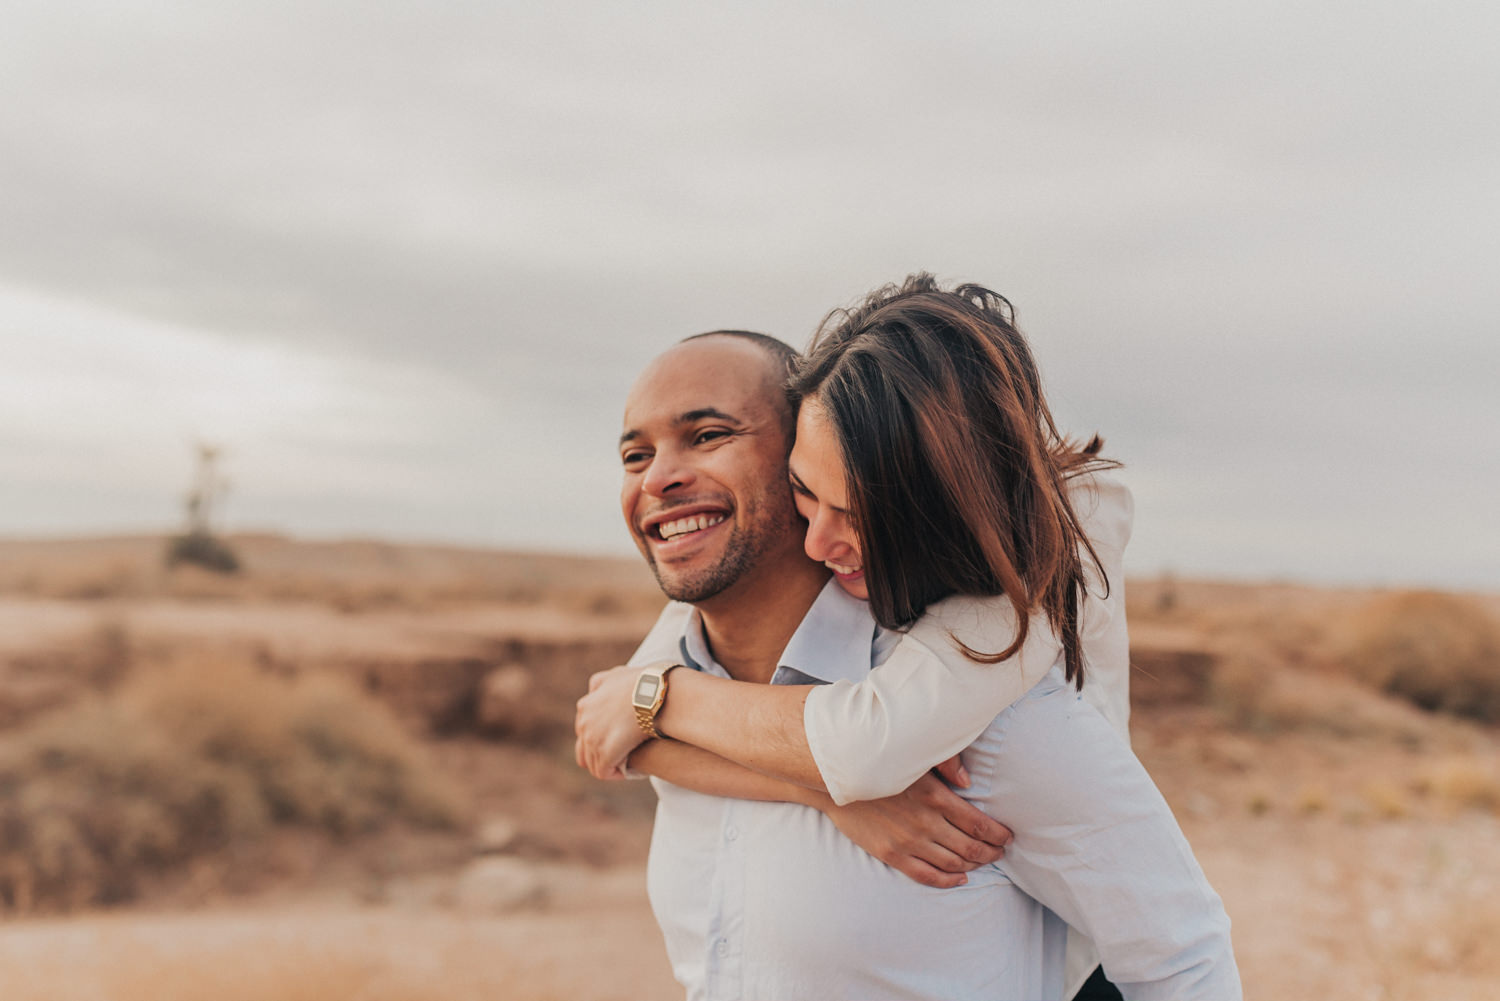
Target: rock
x,y
499,886
496,835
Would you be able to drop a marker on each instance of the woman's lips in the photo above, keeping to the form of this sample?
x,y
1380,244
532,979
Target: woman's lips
x,y
845,572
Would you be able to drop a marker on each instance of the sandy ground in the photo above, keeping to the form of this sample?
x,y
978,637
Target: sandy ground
x,y
595,939
1319,808
1331,897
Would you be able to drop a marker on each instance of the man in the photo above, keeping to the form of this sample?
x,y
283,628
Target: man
x,y
704,449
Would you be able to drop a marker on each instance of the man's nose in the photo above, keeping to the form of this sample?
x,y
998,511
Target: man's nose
x,y
668,472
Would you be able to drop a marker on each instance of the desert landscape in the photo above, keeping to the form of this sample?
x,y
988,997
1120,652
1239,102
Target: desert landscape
x,y
345,773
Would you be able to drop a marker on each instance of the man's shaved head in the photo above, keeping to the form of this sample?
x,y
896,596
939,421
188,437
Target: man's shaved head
x,y
782,355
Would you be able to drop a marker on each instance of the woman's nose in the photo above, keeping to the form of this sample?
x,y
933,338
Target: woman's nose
x,y
822,541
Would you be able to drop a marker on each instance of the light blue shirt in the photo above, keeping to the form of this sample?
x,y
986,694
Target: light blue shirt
x,y
770,902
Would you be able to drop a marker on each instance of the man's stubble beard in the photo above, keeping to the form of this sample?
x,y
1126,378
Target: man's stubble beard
x,y
745,549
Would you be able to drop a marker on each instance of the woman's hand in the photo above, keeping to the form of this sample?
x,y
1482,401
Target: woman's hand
x,y
928,832
605,723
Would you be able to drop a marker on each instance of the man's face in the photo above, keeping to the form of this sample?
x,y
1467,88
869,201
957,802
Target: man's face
x,y
704,450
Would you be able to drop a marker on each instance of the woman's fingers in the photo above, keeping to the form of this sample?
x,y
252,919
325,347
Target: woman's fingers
x,y
954,772
927,874
967,818
605,725
943,859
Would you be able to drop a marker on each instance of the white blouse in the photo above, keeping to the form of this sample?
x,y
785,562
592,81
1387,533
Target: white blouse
x,y
929,701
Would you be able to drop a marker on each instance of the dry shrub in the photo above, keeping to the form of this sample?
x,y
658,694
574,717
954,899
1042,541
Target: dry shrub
x,y
1438,651
180,762
1312,798
1386,798
1464,782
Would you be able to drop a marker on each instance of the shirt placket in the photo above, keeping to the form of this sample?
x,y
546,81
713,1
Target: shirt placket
x,y
726,941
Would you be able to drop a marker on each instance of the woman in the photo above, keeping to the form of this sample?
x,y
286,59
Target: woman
x,y
933,482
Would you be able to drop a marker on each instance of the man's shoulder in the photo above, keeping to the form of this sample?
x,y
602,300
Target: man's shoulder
x,y
664,641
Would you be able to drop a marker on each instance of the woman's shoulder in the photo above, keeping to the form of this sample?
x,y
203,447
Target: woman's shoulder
x,y
986,624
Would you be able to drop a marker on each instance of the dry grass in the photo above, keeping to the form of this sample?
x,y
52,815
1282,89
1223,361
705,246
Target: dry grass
x,y
1386,798
1439,651
186,760
1463,782
1312,798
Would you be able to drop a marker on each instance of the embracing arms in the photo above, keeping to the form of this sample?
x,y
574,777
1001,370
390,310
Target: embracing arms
x,y
863,741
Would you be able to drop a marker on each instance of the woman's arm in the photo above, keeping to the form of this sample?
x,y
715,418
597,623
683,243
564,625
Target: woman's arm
x,y
873,739
927,832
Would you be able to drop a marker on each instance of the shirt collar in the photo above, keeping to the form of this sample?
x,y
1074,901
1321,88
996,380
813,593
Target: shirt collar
x,y
832,643
695,648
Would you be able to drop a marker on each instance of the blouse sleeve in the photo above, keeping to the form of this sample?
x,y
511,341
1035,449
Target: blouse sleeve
x,y
928,700
926,703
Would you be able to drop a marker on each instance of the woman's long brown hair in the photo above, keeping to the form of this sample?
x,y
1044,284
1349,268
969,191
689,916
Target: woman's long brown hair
x,y
955,468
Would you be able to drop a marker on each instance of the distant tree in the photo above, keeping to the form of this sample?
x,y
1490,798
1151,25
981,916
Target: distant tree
x,y
198,545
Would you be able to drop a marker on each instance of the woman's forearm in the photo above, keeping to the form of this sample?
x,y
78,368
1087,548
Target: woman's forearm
x,y
757,726
703,771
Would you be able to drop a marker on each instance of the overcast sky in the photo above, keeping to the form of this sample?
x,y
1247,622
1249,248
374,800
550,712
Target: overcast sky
x,y
402,263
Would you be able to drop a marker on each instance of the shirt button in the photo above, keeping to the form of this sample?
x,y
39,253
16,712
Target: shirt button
x,y
732,833
723,947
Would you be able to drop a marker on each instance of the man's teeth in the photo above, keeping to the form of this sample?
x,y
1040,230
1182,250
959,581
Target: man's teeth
x,y
682,526
840,568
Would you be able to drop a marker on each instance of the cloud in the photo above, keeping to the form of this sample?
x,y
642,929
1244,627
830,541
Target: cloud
x,y
1251,245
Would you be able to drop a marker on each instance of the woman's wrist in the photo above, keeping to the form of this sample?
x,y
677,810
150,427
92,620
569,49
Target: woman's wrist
x,y
671,717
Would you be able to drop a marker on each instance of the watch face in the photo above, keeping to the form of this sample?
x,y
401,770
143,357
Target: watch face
x,y
645,689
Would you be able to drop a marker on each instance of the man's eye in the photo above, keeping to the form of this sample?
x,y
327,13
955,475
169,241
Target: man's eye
x,y
634,458
703,437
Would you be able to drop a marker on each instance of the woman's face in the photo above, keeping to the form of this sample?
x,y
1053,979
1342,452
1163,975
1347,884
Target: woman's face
x,y
817,473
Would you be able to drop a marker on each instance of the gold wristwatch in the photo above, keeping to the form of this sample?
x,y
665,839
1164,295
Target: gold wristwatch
x,y
651,694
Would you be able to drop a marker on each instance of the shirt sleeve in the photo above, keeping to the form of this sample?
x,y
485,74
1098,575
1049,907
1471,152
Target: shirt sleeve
x,y
929,700
1096,843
